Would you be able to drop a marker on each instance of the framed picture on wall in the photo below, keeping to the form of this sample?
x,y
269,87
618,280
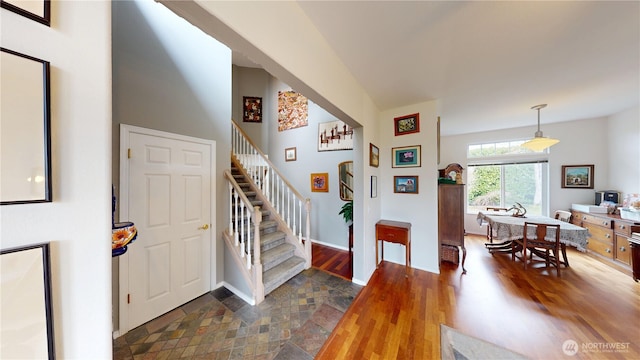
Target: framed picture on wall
x,y
374,155
37,10
406,156
290,154
405,184
25,294
407,124
251,109
320,182
577,176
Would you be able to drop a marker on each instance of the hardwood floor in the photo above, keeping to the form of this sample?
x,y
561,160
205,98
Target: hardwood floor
x,y
331,260
532,313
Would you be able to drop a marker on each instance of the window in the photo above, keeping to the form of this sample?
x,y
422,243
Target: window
x,y
502,174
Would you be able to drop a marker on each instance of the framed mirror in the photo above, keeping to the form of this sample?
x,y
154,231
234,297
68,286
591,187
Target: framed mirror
x,y
345,174
25,131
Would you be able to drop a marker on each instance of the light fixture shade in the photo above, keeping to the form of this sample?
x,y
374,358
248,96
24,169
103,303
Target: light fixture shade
x,y
540,143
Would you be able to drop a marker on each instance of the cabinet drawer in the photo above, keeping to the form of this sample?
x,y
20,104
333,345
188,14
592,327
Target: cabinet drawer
x,y
623,251
595,220
392,234
602,248
622,228
599,233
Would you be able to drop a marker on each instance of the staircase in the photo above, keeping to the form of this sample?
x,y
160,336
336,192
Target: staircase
x,y
279,262
269,220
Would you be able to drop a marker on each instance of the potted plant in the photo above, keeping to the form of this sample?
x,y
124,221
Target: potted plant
x,y
347,212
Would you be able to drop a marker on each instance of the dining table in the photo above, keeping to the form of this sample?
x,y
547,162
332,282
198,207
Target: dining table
x,y
508,228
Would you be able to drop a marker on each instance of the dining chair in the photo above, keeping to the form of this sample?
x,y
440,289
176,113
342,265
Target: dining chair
x,y
536,243
488,225
564,216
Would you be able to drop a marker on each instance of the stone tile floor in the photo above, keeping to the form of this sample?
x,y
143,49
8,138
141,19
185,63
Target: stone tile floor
x,y
293,322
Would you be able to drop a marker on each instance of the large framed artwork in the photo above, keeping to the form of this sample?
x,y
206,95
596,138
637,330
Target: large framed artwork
x,y
251,109
37,10
335,135
293,110
26,324
577,176
407,124
25,129
406,156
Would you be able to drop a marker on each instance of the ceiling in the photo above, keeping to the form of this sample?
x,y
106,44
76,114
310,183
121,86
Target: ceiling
x,y
488,63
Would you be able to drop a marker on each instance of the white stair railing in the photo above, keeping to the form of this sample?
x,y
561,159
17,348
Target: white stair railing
x,y
292,208
244,229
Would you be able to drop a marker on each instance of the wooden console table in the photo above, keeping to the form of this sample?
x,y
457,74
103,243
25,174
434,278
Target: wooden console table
x,y
395,232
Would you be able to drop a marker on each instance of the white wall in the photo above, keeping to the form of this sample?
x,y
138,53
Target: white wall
x,y
582,142
624,151
421,209
78,221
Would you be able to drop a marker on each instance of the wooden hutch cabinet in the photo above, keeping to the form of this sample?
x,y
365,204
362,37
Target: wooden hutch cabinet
x,y
451,217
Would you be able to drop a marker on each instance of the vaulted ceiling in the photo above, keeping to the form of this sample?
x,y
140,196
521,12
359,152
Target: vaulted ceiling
x,y
489,62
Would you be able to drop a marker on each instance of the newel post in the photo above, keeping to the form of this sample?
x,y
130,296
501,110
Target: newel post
x,y
257,262
307,243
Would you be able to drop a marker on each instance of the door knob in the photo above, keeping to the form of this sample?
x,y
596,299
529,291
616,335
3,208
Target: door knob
x,y
204,227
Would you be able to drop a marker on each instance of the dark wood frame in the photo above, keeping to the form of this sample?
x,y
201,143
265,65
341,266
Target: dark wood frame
x,y
46,293
407,124
249,114
573,185
415,149
396,183
374,155
288,151
46,11
46,132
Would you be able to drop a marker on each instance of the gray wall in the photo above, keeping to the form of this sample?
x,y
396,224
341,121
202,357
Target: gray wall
x,y
327,226
170,76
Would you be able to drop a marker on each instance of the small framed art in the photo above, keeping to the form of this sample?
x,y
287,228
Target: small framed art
x,y
374,155
320,182
577,176
405,184
374,186
290,154
407,124
406,156
251,109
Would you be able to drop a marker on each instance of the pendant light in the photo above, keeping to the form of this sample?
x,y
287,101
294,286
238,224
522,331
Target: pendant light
x,y
539,142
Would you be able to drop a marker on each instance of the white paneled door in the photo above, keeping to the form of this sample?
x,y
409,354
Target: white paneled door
x,y
169,200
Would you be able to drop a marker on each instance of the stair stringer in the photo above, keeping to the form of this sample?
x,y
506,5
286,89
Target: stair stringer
x,y
248,274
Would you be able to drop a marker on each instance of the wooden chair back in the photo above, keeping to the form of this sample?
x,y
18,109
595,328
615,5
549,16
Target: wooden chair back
x,y
541,234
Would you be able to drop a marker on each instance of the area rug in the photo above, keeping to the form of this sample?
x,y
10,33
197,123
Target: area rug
x,y
457,346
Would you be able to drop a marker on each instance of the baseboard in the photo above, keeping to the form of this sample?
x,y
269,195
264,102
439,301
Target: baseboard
x,y
343,248
247,298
